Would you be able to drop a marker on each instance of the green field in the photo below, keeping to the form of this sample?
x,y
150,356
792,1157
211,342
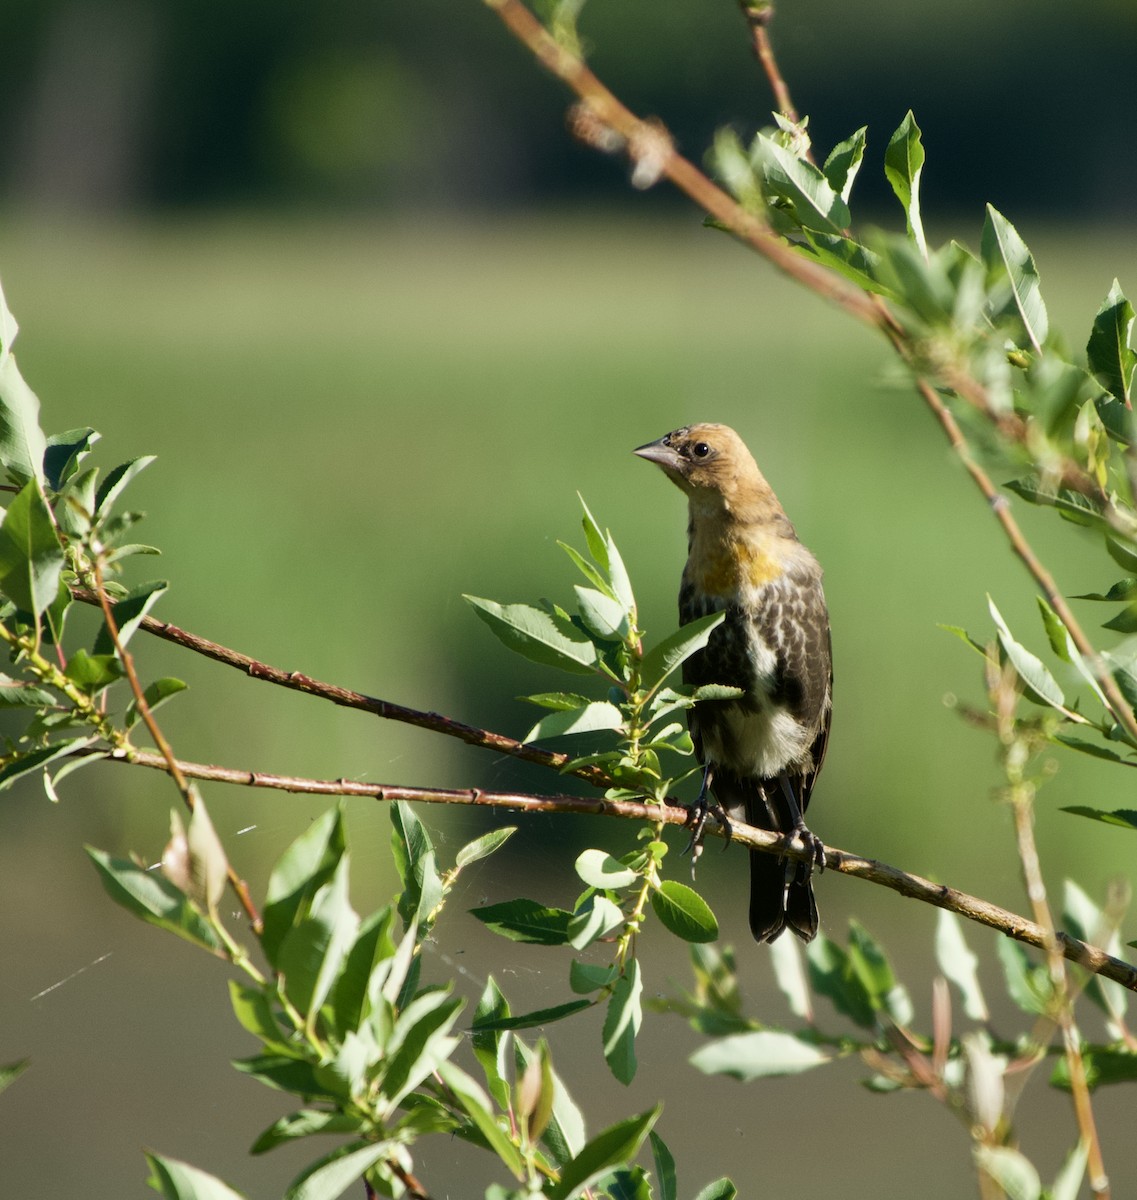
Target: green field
x,y
355,423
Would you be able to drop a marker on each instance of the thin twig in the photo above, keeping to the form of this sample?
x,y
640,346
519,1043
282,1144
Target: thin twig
x,y
189,795
1092,958
759,14
297,682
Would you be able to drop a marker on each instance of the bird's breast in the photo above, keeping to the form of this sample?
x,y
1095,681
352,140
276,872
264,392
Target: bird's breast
x,y
733,568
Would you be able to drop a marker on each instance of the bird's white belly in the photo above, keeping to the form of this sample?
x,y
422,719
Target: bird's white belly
x,y
762,743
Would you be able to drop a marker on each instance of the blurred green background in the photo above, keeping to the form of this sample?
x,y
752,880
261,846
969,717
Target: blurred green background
x,y
380,319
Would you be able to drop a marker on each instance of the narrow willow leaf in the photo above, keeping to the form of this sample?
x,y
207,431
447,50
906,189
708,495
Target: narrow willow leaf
x,y
958,963
152,897
305,1123
721,1189
538,635
602,615
1011,1170
594,536
684,912
616,1146
622,1023
484,846
844,162
1103,1064
1108,351
22,443
600,870
526,921
564,1136
531,1020
35,760
10,1072
417,864
31,557
1041,686
1085,920
63,453
588,570
664,1168
116,481
662,659
420,1043
480,1111
814,203
255,1013
832,975
179,1181
1007,258
330,1176
595,716
1125,818
758,1054
903,165
588,977
1068,1182
789,973
128,613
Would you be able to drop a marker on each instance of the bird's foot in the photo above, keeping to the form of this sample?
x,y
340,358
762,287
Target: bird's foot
x,y
697,816
814,849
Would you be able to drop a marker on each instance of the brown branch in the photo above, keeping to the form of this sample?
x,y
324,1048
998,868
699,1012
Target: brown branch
x,y
189,794
1092,958
295,681
759,14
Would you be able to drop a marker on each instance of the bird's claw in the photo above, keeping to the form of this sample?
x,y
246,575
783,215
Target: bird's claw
x,y
697,814
814,849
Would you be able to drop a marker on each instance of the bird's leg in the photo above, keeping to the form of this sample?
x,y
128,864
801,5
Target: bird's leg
x,y
815,849
699,810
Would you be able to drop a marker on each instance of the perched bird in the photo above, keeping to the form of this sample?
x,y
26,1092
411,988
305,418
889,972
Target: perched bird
x,y
761,751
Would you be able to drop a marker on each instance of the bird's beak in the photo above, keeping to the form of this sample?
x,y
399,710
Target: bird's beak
x,y
661,454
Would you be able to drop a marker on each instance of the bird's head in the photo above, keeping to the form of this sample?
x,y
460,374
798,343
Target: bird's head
x,y
711,464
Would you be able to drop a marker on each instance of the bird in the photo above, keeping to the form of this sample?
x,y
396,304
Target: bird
x,y
761,751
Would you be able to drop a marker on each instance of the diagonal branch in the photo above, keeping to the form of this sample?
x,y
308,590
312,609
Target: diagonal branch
x,y
295,681
1092,958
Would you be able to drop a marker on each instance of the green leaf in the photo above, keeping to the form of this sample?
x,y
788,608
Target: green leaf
x,y
664,1168
622,1023
832,975
1103,1065
115,483
488,1044
590,977
537,635
128,613
593,919
305,1123
478,1108
151,896
1013,280
179,1181
1068,1181
10,1072
1126,818
721,1189
757,1055
254,1011
36,760
22,443
420,1041
155,695
564,1136
903,164
63,453
813,202
287,1073
1124,622
868,960
789,973
313,950
330,1176
1041,686
31,557
301,871
526,921
600,870
596,715
1011,1170
531,1020
684,912
1086,921
632,1184
675,649
602,615
616,1146
417,864
93,672
484,846
844,162
558,701
958,962
1108,351
1027,984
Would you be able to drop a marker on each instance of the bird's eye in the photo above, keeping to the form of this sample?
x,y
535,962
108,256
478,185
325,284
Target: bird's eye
x,y
700,449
